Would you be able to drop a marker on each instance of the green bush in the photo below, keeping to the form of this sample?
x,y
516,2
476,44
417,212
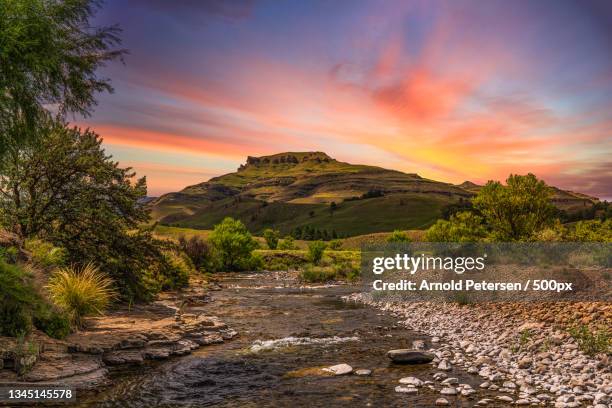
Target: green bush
x,y
281,260
9,254
335,244
21,307
591,342
398,236
591,230
46,254
271,236
462,227
233,245
179,268
81,292
197,250
313,274
287,243
315,251
54,323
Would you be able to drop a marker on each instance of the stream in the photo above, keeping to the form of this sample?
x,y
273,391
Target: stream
x,y
285,331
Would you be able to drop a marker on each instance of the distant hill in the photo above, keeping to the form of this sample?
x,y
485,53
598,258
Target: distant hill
x,y
312,190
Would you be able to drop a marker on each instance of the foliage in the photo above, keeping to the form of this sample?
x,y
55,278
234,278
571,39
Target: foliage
x,y
21,307
271,236
313,273
197,250
315,251
592,230
46,254
9,254
335,244
591,342
462,227
67,191
287,243
554,233
398,236
54,323
49,54
516,211
81,292
233,245
282,259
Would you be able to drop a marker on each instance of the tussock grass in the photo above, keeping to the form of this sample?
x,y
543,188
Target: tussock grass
x,y
81,292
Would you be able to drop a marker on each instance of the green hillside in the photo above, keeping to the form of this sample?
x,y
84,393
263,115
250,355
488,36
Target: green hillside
x,y
312,190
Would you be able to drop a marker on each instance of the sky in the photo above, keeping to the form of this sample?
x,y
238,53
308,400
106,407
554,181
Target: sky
x,y
452,90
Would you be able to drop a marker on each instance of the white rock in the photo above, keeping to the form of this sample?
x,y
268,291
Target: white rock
x,y
339,369
406,390
448,391
363,372
442,402
444,365
411,381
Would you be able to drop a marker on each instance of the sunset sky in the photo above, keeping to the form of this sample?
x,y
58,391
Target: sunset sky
x,y
451,90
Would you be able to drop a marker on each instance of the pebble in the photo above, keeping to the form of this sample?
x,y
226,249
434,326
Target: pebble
x,y
411,381
406,390
442,402
363,372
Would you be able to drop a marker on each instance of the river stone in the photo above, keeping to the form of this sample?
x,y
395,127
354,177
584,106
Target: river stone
x,y
411,381
339,369
363,372
408,356
444,365
442,401
406,390
448,391
504,398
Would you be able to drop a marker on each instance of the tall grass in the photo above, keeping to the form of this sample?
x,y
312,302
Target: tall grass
x,y
81,292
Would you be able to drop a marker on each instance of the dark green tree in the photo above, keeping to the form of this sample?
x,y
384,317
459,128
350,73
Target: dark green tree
x,y
49,54
233,245
271,236
65,189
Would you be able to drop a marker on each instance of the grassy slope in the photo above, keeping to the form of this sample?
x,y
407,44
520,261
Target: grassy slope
x,y
397,211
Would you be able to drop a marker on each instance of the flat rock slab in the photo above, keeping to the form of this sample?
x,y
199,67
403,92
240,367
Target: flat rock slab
x,y
50,368
409,356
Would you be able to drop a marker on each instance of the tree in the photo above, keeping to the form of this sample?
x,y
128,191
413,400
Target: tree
x,y
271,236
49,54
516,211
315,251
462,227
233,245
66,190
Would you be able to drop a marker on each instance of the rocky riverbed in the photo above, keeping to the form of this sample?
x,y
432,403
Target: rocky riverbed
x,y
521,351
125,337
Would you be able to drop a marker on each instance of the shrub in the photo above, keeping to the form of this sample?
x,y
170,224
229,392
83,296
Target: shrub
x,y
335,244
9,254
17,301
271,236
287,243
592,230
177,270
315,251
318,274
53,323
462,227
21,307
197,250
46,254
81,292
233,245
398,236
591,342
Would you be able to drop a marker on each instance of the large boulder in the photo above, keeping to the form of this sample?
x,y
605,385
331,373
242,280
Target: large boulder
x,y
408,356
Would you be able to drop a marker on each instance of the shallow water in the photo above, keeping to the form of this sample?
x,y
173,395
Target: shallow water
x,y
283,332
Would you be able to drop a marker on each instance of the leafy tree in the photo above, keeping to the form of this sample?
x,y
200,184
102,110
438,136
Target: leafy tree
x,y
66,190
517,210
49,54
398,236
233,244
462,227
315,251
197,250
271,236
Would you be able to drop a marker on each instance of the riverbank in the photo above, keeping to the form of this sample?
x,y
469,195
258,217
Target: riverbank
x,y
127,336
521,350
